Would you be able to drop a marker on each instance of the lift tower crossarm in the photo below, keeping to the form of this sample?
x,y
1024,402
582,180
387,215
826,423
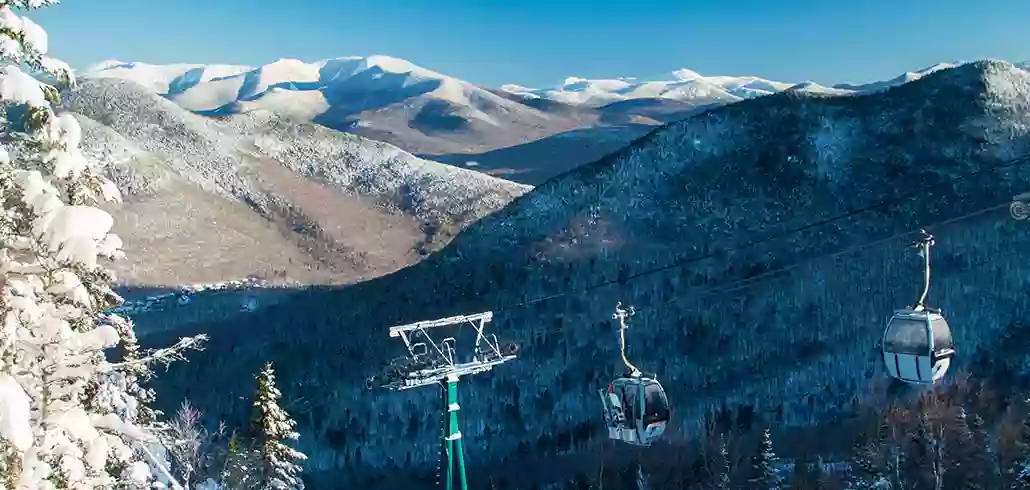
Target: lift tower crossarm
x,y
443,322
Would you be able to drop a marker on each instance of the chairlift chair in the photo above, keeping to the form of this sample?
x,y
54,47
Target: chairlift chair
x,y
917,343
636,408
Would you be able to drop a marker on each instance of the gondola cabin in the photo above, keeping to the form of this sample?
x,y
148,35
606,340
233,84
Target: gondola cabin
x,y
917,346
636,410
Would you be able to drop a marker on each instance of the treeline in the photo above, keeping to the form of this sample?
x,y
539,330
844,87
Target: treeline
x,y
257,458
960,437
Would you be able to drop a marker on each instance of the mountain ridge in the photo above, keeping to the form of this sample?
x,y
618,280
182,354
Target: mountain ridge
x,y
523,134
782,349
513,135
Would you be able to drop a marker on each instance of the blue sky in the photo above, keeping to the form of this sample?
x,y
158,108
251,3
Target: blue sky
x,y
540,42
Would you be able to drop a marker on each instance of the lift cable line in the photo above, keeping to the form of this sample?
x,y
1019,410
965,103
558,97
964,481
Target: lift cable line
x,y
758,278
438,363
735,285
883,204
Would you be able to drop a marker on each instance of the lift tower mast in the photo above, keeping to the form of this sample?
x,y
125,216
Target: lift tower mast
x,y
435,363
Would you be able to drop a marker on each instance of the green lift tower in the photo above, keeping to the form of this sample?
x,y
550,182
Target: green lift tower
x,y
435,363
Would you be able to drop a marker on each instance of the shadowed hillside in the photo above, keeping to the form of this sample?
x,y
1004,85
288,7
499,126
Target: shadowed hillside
x,y
799,348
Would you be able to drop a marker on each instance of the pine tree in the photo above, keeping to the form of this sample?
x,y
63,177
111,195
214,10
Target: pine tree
x,y
968,466
1021,471
136,373
987,443
68,415
272,427
722,470
924,466
868,469
238,468
820,474
803,477
764,473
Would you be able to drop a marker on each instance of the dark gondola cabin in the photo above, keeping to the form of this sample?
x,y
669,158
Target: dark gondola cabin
x,y
917,346
636,410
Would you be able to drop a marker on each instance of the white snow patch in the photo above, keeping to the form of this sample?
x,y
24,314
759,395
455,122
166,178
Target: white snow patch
x,y
14,413
686,85
831,145
158,78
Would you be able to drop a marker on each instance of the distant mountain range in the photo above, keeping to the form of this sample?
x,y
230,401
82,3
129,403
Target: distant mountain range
x,y
523,134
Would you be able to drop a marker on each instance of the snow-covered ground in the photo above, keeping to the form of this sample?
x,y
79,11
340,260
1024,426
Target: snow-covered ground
x,y
685,85
185,294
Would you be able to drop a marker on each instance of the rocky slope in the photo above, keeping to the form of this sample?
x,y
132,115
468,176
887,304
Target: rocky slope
x,y
255,194
795,348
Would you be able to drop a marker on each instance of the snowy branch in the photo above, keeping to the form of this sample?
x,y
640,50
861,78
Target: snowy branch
x,y
166,355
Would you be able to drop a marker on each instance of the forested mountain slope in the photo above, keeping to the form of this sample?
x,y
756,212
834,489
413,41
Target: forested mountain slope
x,y
797,347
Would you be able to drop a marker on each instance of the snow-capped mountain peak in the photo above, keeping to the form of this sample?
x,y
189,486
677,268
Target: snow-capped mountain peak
x,y
162,78
685,85
685,74
390,64
909,76
302,89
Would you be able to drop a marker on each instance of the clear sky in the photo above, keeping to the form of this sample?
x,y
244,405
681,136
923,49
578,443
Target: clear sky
x,y
540,42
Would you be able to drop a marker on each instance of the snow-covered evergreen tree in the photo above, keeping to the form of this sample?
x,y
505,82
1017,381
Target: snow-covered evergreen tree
x,y
1021,471
237,468
968,464
135,373
722,468
820,473
69,416
240,462
764,473
272,427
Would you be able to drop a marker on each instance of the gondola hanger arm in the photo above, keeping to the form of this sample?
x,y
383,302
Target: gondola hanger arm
x,y
923,243
621,315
